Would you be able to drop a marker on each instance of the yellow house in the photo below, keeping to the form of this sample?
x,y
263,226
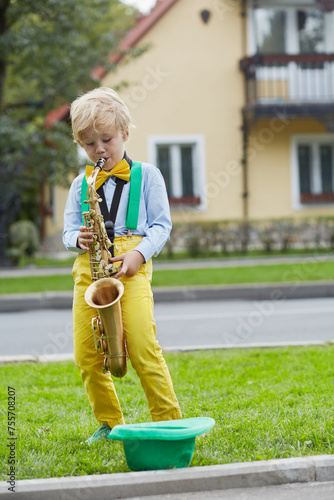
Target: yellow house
x,y
234,101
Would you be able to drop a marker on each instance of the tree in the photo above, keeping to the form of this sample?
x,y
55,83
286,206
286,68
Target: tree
x,y
48,49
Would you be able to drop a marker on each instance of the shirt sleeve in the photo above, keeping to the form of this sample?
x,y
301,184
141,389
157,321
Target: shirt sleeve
x,y
158,213
72,216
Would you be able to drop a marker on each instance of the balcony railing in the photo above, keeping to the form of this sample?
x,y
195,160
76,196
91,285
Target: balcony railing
x,y
289,79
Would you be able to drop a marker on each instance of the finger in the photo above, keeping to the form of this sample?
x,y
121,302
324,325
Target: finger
x,y
118,258
119,274
122,271
83,246
85,243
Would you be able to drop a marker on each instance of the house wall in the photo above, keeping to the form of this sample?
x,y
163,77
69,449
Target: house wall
x,y
189,82
54,223
270,169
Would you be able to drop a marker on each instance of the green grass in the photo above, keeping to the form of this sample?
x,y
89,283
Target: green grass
x,y
31,284
269,403
181,256
246,274
46,261
294,273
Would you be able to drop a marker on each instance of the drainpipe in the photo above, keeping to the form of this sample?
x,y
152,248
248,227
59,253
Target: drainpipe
x,y
244,162
245,133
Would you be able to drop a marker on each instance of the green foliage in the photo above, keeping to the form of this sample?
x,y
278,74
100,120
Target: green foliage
x,y
267,404
23,239
48,49
51,46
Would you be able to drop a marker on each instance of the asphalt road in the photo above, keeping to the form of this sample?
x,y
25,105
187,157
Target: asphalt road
x,y
179,325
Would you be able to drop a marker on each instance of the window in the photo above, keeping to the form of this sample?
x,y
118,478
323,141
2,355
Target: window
x,y
314,170
326,165
270,27
311,31
298,27
181,162
304,168
288,29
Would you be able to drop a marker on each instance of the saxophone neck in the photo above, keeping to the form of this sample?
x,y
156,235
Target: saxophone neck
x,y
100,164
97,169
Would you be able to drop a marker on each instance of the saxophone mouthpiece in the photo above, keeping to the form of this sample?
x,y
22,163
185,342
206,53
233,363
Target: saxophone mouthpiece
x,y
100,163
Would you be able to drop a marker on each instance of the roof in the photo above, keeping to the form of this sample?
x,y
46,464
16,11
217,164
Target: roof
x,y
144,24
57,115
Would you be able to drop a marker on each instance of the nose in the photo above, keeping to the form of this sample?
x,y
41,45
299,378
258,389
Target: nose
x,y
100,147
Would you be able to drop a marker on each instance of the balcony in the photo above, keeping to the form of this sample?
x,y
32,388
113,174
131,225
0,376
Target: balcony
x,y
300,85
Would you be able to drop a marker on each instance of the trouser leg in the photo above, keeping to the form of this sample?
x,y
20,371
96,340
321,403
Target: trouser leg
x,y
144,350
99,386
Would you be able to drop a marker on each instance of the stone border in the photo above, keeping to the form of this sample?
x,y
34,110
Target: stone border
x,y
49,358
193,479
269,291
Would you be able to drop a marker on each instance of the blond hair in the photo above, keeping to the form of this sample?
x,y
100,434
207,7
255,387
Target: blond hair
x,y
101,108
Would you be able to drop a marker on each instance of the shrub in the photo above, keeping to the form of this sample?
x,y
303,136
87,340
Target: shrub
x,y
23,239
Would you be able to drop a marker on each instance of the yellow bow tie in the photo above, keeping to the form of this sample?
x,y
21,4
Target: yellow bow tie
x,y
121,170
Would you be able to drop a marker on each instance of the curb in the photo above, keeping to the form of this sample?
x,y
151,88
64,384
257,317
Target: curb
x,y
51,358
194,479
258,291
29,358
31,301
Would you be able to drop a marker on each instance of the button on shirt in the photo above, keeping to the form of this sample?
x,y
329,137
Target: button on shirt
x,y
154,221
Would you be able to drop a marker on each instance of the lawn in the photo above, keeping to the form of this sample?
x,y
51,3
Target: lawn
x,y
267,403
39,261
295,273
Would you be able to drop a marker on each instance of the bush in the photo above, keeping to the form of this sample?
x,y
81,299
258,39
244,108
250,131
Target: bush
x,y
223,237
23,239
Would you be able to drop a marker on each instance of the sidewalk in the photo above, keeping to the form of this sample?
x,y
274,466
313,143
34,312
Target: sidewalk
x,y
184,264
257,291
217,478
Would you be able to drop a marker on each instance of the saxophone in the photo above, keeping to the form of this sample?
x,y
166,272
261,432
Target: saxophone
x,y
105,292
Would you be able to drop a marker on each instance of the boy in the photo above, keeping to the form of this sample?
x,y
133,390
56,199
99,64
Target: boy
x,y
100,123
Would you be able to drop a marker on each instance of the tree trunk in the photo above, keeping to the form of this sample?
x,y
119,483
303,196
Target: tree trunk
x,y
4,4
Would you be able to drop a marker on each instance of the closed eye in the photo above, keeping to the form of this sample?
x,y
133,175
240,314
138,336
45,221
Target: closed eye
x,y
107,140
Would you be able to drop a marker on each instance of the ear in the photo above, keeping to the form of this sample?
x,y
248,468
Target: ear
x,y
126,134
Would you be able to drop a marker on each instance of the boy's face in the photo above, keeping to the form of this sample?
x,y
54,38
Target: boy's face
x,y
107,144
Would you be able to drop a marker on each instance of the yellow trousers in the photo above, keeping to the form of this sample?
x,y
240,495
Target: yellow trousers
x,y
143,348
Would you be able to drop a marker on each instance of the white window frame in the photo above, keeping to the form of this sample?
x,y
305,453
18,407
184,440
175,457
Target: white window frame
x,y
314,140
292,73
289,7
175,141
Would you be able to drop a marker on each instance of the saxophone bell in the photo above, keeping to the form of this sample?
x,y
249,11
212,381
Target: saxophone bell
x,y
104,295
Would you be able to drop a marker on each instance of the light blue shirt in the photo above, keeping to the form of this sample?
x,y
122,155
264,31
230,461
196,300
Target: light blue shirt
x,y
154,221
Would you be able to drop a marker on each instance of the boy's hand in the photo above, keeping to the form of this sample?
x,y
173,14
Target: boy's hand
x,y
131,263
85,237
